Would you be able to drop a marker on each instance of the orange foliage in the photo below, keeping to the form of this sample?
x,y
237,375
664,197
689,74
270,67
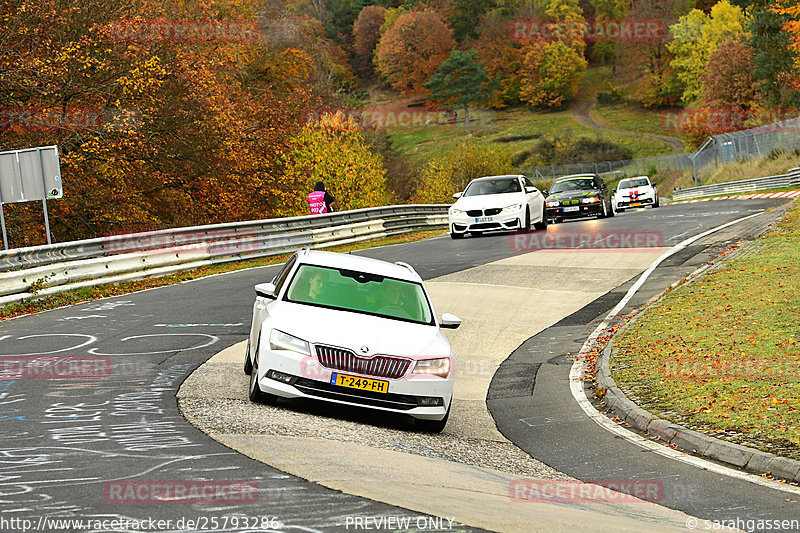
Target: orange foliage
x,y
411,51
792,9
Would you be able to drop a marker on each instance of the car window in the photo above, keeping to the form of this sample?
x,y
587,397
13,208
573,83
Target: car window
x,y
360,292
639,182
528,183
573,184
494,186
280,279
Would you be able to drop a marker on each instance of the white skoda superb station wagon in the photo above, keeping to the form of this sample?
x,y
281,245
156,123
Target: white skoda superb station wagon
x,y
355,331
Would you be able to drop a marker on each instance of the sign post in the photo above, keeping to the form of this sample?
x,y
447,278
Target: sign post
x,y
29,175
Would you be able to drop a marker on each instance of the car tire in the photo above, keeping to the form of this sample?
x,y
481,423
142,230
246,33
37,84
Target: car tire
x,y
456,235
248,364
255,393
433,426
611,212
657,203
542,224
527,226
604,213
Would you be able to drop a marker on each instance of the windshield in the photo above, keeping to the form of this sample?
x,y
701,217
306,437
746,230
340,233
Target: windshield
x,y
639,182
361,292
573,184
493,186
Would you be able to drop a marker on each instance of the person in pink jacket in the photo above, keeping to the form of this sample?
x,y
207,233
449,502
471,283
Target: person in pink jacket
x,y
319,201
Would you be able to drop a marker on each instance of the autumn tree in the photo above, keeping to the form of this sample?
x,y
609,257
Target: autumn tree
x,y
333,150
604,11
789,17
465,16
460,81
366,34
695,37
550,75
729,82
502,60
412,49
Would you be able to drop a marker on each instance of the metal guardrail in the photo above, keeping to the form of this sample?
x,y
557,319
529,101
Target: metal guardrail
x,y
791,179
38,271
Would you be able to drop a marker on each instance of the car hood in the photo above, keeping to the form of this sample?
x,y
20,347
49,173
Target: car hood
x,y
354,330
571,195
636,191
489,201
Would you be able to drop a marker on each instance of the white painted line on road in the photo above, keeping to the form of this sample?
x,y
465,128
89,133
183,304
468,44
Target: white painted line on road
x,y
578,371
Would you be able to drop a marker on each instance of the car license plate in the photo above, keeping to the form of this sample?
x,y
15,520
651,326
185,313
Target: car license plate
x,y
354,382
636,204
571,209
478,220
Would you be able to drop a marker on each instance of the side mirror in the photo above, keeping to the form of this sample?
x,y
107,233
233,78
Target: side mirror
x,y
449,321
458,195
530,189
266,290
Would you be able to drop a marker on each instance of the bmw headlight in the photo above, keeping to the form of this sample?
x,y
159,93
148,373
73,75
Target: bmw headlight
x,y
592,200
553,203
457,212
279,340
511,209
439,367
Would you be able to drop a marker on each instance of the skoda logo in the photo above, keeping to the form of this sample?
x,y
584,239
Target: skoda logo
x,y
364,349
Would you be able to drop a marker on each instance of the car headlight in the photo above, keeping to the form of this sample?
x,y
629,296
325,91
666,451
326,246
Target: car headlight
x,y
439,367
279,340
553,203
511,209
457,212
592,200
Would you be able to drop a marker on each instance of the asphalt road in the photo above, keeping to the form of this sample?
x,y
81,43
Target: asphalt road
x,y
73,448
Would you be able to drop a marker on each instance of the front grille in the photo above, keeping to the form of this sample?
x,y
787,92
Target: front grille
x,y
492,212
475,213
380,366
369,398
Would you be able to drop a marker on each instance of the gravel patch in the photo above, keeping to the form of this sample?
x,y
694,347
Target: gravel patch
x,y
214,399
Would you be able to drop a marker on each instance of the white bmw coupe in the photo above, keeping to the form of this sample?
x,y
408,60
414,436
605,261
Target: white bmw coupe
x,y
353,331
497,203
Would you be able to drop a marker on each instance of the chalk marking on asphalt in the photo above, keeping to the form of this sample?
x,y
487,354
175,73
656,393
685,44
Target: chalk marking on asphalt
x,y
578,371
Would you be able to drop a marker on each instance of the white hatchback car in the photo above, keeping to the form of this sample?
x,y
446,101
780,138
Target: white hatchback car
x,y
354,331
635,192
497,203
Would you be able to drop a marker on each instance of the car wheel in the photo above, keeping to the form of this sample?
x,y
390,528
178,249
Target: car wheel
x,y
248,364
456,235
527,226
657,203
433,426
254,391
604,213
611,209
542,224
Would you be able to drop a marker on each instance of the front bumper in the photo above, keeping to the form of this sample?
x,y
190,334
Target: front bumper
x,y
584,210
625,203
461,224
302,376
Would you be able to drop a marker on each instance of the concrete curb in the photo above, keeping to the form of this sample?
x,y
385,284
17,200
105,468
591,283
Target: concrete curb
x,y
674,435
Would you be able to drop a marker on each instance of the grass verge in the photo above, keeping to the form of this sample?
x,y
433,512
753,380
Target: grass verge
x,y
721,355
85,294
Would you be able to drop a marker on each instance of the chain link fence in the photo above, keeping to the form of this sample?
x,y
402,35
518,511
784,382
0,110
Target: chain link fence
x,y
718,150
